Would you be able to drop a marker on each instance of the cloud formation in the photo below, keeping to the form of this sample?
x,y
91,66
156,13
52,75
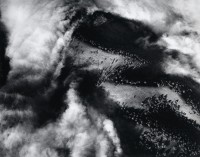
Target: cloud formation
x,y
173,20
43,113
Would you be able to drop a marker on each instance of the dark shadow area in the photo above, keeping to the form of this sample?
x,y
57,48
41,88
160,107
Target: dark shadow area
x,y
4,61
113,32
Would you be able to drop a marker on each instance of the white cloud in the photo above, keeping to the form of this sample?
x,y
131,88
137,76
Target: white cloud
x,y
36,32
83,131
160,14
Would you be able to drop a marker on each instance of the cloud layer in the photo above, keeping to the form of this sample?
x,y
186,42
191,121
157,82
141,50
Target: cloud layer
x,y
54,105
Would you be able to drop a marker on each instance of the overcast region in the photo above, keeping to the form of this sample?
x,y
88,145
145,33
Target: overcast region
x,y
99,78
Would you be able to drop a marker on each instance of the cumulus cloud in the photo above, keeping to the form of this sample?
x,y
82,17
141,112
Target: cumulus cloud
x,y
160,14
39,33
31,31
80,131
187,61
87,131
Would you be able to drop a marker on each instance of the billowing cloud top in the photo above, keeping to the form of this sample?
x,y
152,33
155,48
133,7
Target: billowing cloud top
x,y
99,78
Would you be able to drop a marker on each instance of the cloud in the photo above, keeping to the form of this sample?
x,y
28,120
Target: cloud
x,y
39,34
155,13
174,21
36,32
86,130
161,15
187,61
80,131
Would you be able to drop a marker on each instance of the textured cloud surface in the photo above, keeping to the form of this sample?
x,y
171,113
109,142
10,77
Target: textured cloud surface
x,y
99,78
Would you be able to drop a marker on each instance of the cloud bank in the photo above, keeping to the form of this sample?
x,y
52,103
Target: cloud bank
x,y
52,106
